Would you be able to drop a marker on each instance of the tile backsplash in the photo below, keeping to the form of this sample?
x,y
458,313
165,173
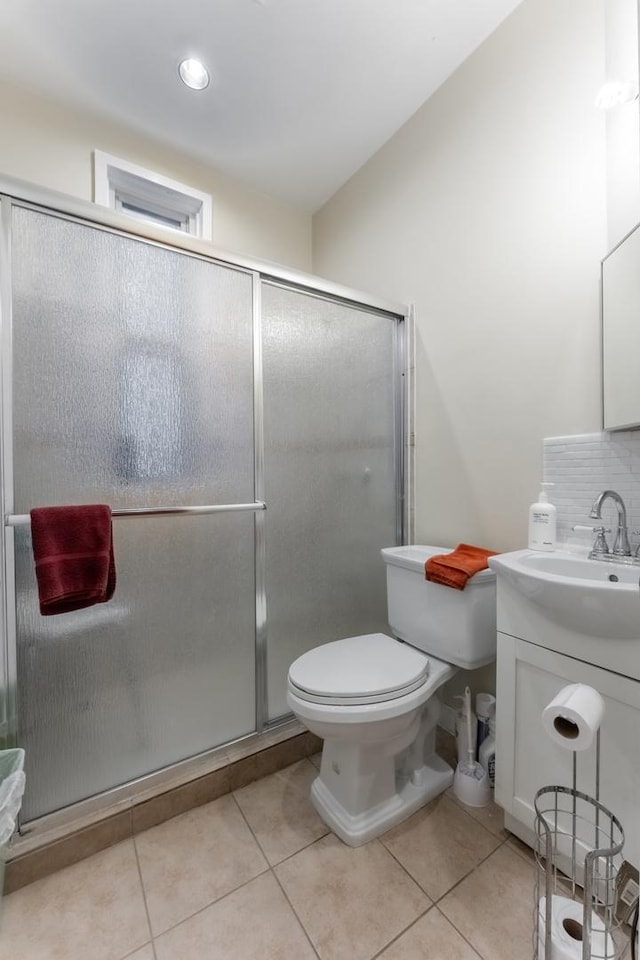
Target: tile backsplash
x,y
581,467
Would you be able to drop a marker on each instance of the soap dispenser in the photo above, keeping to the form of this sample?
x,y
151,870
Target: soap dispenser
x,y
542,522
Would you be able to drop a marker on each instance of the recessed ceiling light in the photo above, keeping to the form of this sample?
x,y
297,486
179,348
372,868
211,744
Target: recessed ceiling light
x,y
194,74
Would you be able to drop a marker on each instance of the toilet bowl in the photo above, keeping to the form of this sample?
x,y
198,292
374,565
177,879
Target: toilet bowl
x,y
373,698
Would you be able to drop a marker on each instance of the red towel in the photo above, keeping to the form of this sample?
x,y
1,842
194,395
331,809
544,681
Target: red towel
x,y
454,569
73,550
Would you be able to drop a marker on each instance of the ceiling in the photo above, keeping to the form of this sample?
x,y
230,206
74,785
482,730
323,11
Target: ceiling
x,y
303,92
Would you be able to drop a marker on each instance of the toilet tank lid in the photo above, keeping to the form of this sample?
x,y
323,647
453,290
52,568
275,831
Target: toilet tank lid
x,y
414,557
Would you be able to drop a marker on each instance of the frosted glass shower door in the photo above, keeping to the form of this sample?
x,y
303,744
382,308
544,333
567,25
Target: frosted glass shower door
x,y
331,479
133,386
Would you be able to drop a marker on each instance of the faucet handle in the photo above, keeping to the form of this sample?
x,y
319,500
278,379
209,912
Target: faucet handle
x,y
600,546
583,527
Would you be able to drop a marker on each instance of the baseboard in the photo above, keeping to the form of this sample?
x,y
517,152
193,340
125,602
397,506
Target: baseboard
x,y
448,720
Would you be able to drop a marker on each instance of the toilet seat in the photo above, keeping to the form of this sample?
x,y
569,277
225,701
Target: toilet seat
x,y
371,668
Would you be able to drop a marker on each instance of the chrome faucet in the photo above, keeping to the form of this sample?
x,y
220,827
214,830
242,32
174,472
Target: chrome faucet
x,y
621,546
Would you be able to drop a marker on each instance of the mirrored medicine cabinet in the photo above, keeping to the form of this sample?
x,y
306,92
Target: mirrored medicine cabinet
x,y
621,334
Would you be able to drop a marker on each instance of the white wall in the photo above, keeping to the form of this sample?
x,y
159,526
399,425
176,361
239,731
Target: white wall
x,y
47,144
487,210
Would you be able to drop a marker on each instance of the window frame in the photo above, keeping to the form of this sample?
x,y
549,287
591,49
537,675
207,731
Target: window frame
x,y
149,196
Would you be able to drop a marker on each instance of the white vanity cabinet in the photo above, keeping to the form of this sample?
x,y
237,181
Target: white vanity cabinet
x,y
529,677
538,654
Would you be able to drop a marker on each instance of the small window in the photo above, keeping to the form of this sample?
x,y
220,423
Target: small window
x,y
149,196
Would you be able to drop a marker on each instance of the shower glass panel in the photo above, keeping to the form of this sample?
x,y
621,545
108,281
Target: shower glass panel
x,y
330,473
133,370
133,386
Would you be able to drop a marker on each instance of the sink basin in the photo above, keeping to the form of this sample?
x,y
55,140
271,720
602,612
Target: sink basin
x,y
592,597
568,566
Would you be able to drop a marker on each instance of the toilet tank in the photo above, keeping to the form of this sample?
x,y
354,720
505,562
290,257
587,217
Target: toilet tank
x,y
457,626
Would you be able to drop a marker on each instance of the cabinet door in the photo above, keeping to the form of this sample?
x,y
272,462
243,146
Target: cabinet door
x,y
529,677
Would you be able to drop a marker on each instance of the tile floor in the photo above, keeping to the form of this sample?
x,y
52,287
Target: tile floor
x,y
256,874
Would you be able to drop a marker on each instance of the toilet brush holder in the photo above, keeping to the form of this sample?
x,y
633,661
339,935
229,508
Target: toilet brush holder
x,y
471,788
471,783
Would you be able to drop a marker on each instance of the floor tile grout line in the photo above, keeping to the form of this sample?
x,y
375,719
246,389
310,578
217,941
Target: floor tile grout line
x,y
149,943
144,893
312,843
289,855
529,858
439,899
402,932
457,884
295,913
206,906
402,866
500,841
475,949
250,828
498,834
268,868
275,877
433,906
464,808
212,903
435,902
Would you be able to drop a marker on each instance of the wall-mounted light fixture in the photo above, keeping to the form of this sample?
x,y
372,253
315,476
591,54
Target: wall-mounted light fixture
x,y
614,93
194,73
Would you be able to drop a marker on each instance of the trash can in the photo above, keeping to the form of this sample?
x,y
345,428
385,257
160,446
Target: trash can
x,y
11,790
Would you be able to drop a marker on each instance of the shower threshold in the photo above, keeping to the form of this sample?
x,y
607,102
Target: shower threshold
x,y
67,836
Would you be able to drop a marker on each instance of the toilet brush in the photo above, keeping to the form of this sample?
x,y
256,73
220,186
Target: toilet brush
x,y
471,783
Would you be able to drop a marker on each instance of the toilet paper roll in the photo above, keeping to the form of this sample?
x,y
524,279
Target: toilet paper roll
x,y
567,918
573,718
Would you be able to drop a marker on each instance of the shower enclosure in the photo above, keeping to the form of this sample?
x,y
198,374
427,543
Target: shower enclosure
x,y
187,392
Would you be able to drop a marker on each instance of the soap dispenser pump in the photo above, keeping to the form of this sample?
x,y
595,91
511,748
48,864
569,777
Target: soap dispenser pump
x,y
542,522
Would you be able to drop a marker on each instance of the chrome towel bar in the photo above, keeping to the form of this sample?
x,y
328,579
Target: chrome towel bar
x,y
19,519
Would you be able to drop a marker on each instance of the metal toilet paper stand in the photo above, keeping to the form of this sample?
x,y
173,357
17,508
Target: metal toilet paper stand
x,y
580,910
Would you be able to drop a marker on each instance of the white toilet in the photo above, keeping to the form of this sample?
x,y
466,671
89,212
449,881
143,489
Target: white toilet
x,y
374,699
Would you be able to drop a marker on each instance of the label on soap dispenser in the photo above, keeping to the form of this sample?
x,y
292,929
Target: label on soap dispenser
x,y
542,526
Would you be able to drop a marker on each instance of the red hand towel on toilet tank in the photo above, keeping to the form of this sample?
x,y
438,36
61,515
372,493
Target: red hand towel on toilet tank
x,y
73,552
456,568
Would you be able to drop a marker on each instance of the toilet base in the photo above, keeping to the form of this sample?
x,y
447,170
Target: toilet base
x,y
432,779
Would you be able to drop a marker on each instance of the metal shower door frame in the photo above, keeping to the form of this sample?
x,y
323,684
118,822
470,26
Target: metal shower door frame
x,y
26,195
